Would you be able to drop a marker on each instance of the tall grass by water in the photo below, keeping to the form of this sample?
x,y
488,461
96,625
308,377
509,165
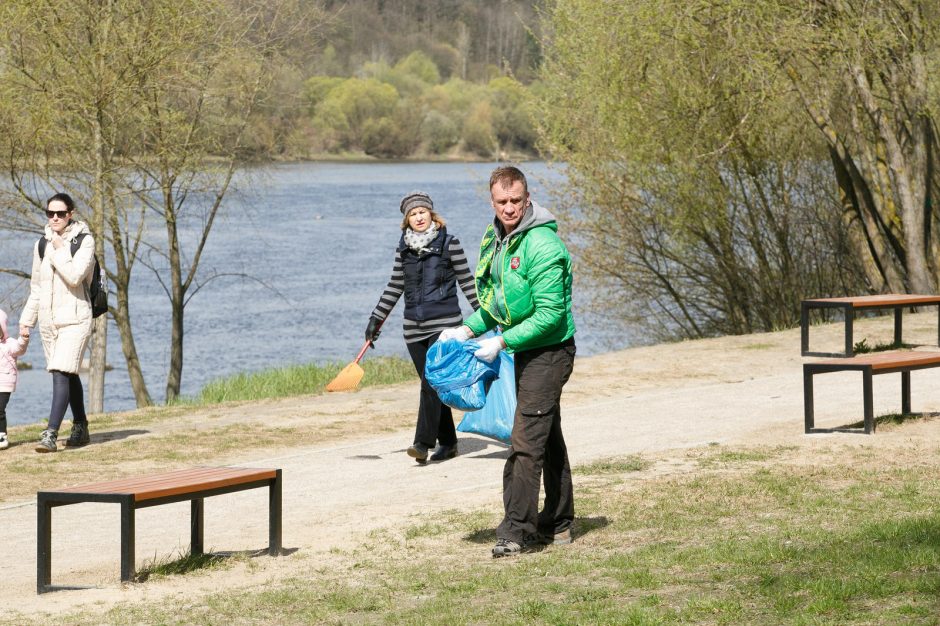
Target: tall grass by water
x,y
298,380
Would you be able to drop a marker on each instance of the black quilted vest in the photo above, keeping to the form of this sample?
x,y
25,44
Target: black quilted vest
x,y
430,281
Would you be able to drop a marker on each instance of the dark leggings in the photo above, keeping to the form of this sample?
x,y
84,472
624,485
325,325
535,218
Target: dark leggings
x,y
66,392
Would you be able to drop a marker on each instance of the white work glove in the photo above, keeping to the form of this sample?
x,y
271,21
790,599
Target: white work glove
x,y
460,333
489,349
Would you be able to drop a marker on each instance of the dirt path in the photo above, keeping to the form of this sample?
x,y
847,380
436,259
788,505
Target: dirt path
x,y
655,401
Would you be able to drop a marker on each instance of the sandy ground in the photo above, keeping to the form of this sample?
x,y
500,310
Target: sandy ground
x,y
655,401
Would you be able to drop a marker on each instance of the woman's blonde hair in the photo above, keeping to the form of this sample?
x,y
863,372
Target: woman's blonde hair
x,y
437,219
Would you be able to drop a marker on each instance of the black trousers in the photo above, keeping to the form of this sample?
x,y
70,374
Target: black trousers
x,y
538,453
4,398
435,420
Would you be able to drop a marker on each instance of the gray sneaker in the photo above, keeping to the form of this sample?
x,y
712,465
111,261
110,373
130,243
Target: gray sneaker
x,y
79,436
506,547
47,441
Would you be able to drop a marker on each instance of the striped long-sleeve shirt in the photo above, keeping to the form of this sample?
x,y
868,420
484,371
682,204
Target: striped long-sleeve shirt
x,y
415,330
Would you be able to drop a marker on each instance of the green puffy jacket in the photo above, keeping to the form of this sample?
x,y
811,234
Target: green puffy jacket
x,y
524,284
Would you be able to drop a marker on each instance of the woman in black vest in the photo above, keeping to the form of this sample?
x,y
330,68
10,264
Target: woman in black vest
x,y
429,264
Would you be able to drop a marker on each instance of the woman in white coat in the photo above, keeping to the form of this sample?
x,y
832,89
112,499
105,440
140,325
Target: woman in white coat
x,y
59,302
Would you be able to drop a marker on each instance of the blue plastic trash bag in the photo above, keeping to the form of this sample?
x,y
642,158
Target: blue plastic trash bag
x,y
495,419
458,377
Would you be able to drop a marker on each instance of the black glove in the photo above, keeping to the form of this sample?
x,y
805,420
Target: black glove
x,y
372,330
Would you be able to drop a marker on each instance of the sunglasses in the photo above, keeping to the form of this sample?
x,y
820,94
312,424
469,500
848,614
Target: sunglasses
x,y
59,214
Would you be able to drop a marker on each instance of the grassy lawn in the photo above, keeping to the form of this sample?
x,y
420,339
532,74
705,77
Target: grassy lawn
x,y
766,535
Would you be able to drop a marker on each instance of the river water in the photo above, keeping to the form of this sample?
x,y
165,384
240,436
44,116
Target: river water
x,y
321,237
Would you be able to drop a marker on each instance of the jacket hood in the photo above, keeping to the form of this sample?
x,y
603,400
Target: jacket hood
x,y
74,229
535,215
3,325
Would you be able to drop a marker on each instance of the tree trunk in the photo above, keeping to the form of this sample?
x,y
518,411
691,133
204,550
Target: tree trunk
x,y
122,316
99,336
177,292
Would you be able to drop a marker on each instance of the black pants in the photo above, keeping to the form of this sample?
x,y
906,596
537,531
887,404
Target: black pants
x,y
66,392
435,420
538,452
4,398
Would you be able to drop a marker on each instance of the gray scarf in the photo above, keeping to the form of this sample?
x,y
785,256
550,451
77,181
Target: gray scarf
x,y
419,242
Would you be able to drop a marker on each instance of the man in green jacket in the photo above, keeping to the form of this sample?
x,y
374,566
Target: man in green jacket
x,y
523,282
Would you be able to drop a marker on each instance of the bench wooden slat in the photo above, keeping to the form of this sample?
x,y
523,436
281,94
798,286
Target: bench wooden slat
x,y
174,483
882,300
884,360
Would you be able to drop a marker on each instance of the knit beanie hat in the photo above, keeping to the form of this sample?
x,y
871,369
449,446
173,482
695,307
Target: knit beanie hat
x,y
415,199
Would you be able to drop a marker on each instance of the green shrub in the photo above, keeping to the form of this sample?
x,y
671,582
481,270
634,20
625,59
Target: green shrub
x,y
439,132
478,135
419,65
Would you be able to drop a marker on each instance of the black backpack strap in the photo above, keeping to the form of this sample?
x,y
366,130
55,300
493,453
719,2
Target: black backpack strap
x,y
76,244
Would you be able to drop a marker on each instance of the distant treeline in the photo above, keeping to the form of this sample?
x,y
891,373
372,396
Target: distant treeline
x,y
408,79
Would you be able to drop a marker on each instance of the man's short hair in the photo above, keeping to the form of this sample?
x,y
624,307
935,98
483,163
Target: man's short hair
x,y
507,175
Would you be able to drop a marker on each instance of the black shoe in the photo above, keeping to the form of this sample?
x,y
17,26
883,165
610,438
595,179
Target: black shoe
x,y
419,452
79,436
444,452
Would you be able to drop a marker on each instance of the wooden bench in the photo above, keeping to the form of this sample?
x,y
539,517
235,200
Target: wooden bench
x,y
869,365
850,305
146,491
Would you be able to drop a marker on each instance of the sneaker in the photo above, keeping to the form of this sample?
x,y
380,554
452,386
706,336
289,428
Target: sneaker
x,y
47,441
444,452
4,442
419,452
506,547
559,539
79,436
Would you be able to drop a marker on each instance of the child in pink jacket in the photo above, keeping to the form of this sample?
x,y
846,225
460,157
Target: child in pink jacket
x,y
10,348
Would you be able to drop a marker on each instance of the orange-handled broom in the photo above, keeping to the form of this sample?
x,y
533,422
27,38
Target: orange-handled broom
x,y
349,377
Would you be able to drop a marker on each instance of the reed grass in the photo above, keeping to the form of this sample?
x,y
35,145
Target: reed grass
x,y
298,380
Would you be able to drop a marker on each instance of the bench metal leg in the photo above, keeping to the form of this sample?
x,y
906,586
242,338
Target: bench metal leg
x,y
898,312
43,545
196,526
869,405
274,516
804,328
808,417
905,393
127,539
849,330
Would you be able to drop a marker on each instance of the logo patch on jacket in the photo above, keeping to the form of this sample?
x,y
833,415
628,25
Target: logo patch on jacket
x,y
514,263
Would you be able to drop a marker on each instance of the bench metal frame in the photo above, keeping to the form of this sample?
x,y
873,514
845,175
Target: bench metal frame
x,y
811,369
47,500
849,306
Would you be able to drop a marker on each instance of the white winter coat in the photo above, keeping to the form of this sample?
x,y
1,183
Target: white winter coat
x,y
58,298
